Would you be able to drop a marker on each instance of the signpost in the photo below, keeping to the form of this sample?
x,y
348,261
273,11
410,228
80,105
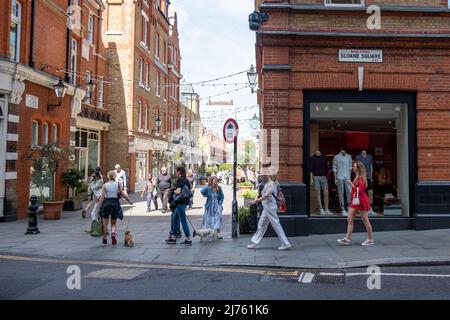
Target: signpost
x,y
230,134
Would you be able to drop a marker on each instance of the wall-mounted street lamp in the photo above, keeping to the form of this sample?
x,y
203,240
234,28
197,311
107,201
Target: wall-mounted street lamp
x,y
252,75
60,91
256,18
254,122
158,123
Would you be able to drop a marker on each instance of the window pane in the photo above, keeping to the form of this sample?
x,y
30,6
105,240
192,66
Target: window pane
x,y
92,156
45,133
13,41
55,134
35,132
83,141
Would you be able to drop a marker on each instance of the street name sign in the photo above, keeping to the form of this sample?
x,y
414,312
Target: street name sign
x,y
354,55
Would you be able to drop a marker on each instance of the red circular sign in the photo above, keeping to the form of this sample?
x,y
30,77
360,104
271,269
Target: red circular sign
x,y
230,130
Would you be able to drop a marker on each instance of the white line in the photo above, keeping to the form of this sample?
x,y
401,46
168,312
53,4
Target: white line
x,y
388,274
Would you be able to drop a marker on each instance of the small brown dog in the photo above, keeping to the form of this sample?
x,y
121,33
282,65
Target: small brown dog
x,y
128,240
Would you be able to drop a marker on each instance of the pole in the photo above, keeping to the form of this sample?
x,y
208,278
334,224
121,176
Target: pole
x,y
235,222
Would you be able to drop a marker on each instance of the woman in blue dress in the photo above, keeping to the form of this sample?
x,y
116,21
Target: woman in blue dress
x,y
212,218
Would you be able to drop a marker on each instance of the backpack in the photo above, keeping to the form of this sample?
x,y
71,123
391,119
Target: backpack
x,y
281,200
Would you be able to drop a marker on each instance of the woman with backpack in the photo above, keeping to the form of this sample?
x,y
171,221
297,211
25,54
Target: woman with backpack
x,y
269,214
212,218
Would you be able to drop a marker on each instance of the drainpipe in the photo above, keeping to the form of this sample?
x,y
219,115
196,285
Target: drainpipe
x,y
33,12
67,76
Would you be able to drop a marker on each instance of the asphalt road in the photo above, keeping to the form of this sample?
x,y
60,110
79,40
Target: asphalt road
x,y
34,278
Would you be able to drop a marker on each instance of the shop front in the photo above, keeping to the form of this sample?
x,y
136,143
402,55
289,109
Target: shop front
x,y
343,93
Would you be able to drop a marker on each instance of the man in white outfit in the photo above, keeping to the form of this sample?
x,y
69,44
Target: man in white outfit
x,y
121,177
269,215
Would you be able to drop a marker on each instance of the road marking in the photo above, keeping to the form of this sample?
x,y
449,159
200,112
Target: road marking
x,y
357,274
306,277
148,266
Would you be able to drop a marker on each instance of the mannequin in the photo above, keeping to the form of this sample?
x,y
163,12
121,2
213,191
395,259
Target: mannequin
x,y
367,160
342,168
319,170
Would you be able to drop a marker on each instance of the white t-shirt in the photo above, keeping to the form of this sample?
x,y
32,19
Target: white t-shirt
x,y
122,178
271,189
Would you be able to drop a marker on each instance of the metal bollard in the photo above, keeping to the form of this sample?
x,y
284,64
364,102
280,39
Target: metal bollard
x,y
32,216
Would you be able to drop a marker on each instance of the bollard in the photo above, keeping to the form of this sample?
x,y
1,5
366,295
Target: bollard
x,y
32,216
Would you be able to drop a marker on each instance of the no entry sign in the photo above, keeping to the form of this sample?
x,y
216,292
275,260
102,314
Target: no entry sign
x,y
230,130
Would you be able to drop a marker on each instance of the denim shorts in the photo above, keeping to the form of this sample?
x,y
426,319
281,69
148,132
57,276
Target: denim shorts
x,y
320,182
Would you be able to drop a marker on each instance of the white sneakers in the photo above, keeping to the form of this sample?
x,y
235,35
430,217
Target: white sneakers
x,y
344,242
344,213
325,212
372,213
347,242
285,247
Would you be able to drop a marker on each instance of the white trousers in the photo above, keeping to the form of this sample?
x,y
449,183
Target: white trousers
x,y
95,210
269,214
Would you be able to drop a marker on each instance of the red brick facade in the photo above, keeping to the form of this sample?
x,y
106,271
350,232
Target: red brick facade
x,y
297,51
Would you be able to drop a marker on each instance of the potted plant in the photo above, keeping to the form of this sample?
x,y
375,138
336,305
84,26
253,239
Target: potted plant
x,y
45,161
245,185
243,216
249,195
72,179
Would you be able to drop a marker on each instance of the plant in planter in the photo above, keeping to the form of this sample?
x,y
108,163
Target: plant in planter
x,y
249,195
243,216
72,179
45,161
247,185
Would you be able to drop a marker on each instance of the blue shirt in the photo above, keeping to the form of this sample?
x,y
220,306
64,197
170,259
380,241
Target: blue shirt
x,y
367,161
342,165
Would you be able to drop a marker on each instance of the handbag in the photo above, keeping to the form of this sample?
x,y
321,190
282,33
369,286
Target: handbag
x,y
184,196
356,198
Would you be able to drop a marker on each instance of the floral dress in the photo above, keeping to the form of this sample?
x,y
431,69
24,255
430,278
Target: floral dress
x,y
212,218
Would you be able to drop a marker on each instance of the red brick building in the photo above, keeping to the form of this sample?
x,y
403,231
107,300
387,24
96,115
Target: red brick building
x,y
39,47
331,79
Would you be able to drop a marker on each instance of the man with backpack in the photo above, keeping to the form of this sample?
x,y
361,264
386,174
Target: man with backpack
x,y
272,200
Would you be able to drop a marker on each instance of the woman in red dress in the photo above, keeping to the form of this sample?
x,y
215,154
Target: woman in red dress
x,y
359,202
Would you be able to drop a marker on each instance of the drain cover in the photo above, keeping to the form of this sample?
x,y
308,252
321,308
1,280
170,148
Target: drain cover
x,y
117,274
322,278
273,278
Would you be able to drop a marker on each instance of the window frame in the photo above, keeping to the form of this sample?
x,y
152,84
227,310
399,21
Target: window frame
x,y
157,46
17,19
158,81
146,111
73,61
55,133
140,113
45,127
147,76
34,133
141,72
145,27
100,92
91,29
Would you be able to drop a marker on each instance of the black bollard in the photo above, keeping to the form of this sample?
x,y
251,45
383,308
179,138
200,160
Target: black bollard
x,y
32,216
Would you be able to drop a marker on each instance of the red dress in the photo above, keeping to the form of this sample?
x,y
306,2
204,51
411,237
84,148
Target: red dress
x,y
364,203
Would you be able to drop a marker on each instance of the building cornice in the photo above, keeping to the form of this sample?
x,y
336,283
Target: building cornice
x,y
161,66
174,71
353,34
384,8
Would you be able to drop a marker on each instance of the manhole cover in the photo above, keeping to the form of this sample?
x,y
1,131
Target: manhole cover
x,y
117,274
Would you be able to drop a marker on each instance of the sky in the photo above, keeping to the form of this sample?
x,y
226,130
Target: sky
x,y
215,41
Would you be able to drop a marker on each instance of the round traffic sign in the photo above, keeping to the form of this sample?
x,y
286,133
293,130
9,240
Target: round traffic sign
x,y
230,130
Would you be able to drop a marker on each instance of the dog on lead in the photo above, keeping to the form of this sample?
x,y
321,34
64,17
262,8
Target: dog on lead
x,y
205,233
128,240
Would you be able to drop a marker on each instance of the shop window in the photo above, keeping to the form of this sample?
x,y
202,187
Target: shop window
x,y
87,151
344,2
35,133
41,179
374,134
141,168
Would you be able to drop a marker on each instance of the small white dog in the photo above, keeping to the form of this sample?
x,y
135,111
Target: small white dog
x,y
203,233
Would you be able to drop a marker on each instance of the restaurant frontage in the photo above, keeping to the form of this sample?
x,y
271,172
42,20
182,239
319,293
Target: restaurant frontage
x,y
340,93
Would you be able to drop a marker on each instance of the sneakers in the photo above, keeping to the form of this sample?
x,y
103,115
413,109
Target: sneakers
x,y
148,210
252,246
83,213
187,242
178,236
113,239
328,212
322,212
344,242
344,213
368,243
171,241
372,213
219,235
104,242
285,247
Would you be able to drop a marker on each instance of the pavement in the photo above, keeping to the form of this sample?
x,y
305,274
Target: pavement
x,y
66,239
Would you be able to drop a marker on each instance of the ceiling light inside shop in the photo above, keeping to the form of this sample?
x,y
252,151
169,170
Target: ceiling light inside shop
x,y
341,108
378,108
317,108
326,107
